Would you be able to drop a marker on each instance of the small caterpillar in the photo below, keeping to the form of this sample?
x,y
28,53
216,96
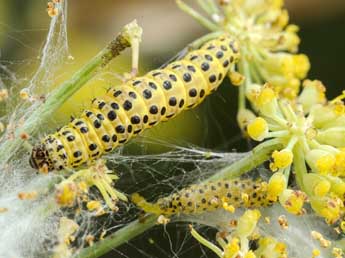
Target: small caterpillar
x,y
126,110
208,197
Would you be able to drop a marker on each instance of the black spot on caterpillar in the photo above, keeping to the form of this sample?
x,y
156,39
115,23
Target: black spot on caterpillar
x,y
208,197
140,103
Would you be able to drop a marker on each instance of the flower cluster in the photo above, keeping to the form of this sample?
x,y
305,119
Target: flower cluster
x,y
236,243
312,130
268,43
75,189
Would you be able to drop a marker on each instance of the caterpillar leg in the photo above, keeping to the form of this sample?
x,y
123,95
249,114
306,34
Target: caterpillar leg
x,y
236,78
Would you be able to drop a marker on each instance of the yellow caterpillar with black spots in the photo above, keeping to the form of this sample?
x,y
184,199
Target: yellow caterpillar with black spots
x,y
209,196
126,110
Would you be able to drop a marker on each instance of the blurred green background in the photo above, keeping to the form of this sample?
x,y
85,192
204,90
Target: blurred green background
x,y
91,24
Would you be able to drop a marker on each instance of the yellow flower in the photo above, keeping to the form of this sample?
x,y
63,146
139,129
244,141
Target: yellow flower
x,y
327,207
270,247
321,161
265,100
337,186
258,129
325,164
316,184
66,193
293,201
250,254
281,159
322,188
316,253
280,64
266,96
290,39
232,248
276,186
98,176
313,93
337,252
93,205
323,115
252,91
282,19
301,65
247,223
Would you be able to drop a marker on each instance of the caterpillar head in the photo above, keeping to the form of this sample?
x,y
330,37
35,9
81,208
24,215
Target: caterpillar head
x,y
40,159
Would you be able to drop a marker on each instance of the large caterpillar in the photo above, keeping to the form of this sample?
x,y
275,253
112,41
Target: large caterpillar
x,y
209,196
140,103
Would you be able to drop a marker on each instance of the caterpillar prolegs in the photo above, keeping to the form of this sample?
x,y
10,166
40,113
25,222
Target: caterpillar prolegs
x,y
209,196
126,110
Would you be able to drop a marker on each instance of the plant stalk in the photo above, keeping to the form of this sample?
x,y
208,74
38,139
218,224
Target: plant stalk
x,y
256,157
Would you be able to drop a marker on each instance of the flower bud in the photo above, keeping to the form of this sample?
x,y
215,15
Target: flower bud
x,y
334,136
327,207
276,186
258,129
290,38
232,248
293,201
266,101
321,161
270,247
252,91
249,254
301,65
340,163
281,159
313,93
244,116
322,115
247,223
316,185
337,186
236,78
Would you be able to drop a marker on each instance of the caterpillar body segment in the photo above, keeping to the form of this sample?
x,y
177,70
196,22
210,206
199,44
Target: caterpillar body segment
x,y
126,110
208,197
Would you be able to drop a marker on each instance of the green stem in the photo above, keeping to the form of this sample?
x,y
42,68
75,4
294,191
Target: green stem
x,y
197,16
206,243
209,7
256,157
62,93
299,165
118,238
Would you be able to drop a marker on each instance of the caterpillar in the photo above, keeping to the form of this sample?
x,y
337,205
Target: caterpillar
x,y
140,103
208,196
